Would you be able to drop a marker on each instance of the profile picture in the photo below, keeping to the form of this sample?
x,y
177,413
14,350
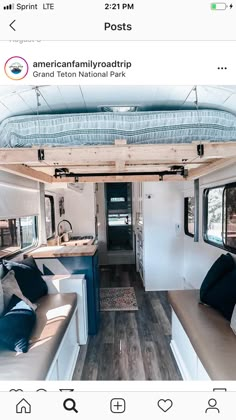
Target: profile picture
x,y
16,68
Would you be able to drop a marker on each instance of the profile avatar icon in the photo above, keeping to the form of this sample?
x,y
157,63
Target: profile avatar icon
x,y
212,406
16,68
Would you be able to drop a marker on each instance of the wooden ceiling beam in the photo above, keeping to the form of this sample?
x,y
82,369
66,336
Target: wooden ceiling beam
x,y
27,172
63,156
210,168
120,178
156,153
128,164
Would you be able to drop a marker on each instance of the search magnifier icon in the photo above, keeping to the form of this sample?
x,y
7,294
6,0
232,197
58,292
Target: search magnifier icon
x,y
70,405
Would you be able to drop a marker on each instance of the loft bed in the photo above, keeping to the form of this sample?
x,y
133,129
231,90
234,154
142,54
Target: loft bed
x,y
103,128
117,147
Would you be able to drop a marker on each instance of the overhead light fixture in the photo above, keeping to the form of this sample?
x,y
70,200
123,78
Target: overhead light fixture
x,y
109,108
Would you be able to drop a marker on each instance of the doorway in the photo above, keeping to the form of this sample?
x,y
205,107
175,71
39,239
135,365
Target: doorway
x,y
118,197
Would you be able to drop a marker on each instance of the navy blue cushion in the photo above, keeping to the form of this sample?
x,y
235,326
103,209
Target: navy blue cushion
x,y
16,325
223,265
223,295
28,278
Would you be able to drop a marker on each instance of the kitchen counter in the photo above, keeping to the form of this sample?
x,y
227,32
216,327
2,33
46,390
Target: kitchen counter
x,y
63,251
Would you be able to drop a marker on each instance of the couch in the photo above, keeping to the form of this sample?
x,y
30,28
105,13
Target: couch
x,y
54,345
202,342
40,333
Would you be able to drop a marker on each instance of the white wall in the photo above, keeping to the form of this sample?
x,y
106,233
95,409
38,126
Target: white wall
x,y
79,208
163,235
199,256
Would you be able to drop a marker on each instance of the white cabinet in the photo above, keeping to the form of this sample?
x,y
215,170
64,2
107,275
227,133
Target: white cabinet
x,y
64,362
68,284
187,360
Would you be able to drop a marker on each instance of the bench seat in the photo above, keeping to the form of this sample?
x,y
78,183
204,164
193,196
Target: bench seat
x,y
209,333
54,315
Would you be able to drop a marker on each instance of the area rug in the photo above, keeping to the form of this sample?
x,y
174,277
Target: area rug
x,y
118,299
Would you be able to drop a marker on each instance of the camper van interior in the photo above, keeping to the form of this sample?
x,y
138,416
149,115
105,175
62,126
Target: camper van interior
x,y
117,232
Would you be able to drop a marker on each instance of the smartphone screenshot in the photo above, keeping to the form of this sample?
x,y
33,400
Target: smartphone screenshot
x,y
117,209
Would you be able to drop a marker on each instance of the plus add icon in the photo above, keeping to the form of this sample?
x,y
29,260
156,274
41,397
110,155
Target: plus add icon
x,y
117,405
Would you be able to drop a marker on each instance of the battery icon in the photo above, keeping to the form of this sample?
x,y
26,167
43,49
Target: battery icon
x,y
218,6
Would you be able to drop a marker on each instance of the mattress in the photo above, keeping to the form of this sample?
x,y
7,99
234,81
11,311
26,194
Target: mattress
x,y
104,128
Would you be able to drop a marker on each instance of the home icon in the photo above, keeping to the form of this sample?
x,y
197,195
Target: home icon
x,y
23,407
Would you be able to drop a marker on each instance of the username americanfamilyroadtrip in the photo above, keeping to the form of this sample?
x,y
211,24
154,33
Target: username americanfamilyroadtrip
x,y
89,68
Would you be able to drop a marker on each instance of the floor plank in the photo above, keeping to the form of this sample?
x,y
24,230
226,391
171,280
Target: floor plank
x,y
130,345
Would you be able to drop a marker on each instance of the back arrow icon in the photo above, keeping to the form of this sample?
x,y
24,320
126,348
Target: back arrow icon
x,y
11,25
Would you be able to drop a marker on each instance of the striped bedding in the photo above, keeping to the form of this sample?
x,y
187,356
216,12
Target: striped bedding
x,y
104,128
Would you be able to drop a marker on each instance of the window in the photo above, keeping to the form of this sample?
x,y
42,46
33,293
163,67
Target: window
x,y
117,199
220,216
214,222
229,237
49,214
119,219
189,216
17,234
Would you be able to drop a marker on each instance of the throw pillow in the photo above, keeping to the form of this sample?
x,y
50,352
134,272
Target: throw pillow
x,y
30,262
223,295
29,279
16,326
10,287
223,265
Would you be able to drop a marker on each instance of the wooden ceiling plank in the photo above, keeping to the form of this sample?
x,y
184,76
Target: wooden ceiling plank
x,y
27,172
210,168
133,164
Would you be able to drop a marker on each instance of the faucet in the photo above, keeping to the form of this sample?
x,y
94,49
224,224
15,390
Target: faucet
x,y
58,230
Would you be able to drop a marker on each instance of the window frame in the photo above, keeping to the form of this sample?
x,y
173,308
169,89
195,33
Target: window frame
x,y
224,216
186,230
34,243
51,199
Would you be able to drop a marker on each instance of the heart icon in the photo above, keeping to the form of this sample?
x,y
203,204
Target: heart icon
x,y
165,405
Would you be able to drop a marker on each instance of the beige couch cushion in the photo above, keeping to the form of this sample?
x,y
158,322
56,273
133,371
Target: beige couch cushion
x,y
209,333
53,316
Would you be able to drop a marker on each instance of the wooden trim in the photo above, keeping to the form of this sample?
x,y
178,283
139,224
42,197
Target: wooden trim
x,y
27,172
111,169
211,167
129,165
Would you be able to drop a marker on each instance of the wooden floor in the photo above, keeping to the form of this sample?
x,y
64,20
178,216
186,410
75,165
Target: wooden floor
x,y
130,345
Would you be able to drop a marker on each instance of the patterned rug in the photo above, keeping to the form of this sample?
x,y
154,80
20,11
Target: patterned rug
x,y
118,299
